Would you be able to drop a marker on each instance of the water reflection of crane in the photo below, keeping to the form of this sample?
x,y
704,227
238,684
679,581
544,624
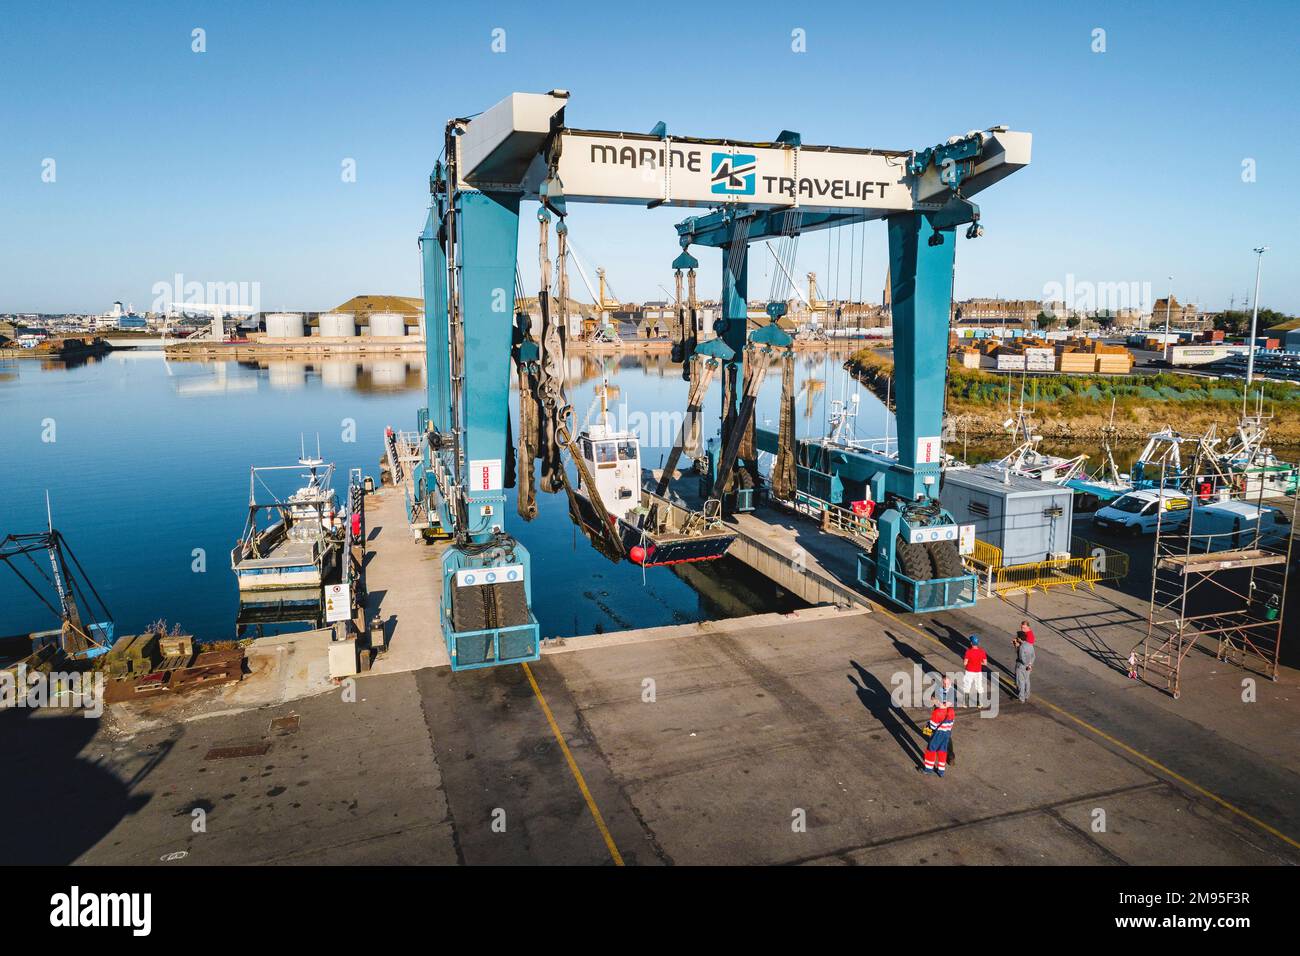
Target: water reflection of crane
x,y
812,388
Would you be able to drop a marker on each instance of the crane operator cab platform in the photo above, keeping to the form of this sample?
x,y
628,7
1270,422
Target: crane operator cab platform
x,y
654,529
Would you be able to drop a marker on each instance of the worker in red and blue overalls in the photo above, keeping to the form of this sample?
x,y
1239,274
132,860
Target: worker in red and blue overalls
x,y
940,734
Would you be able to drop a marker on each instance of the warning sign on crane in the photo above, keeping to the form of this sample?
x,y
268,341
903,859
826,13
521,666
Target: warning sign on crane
x,y
928,450
485,474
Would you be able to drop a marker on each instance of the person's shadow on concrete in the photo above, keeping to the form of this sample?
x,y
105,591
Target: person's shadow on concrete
x,y
875,697
916,657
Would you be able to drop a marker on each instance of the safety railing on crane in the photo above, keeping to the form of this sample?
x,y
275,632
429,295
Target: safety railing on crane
x,y
847,523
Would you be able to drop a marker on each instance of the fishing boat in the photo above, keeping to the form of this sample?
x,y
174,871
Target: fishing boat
x,y
1251,464
653,528
290,547
1027,461
1093,491
74,598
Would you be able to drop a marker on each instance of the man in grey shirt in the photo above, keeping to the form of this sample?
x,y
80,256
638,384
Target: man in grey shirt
x,y
1024,664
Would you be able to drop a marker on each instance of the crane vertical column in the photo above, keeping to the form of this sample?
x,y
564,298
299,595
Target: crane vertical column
x,y
487,589
489,240
922,299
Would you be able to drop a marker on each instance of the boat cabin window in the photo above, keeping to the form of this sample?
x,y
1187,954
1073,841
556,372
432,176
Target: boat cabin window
x,y
606,453
627,451
586,450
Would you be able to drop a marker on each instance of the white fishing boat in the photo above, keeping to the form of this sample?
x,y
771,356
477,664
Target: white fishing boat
x,y
653,529
290,546
1251,463
1027,461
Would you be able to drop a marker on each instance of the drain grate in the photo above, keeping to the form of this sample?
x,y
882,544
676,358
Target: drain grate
x,y
228,751
284,725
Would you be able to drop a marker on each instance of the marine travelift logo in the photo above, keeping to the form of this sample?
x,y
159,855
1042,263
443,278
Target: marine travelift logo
x,y
733,174
74,908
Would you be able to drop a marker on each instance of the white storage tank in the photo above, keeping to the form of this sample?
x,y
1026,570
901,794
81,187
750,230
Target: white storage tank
x,y
338,324
285,325
387,324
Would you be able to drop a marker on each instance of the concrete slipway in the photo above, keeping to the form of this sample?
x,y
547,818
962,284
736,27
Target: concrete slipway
x,y
753,725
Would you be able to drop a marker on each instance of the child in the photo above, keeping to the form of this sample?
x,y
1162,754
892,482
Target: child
x,y
1133,664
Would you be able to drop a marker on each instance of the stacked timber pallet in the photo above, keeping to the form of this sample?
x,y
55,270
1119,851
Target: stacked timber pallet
x,y
1010,359
149,665
133,655
1074,359
1040,358
1113,359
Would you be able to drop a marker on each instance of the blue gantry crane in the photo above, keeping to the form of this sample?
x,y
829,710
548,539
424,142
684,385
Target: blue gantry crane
x,y
521,149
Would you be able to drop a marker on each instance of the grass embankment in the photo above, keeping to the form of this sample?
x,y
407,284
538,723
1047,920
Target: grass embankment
x,y
1078,406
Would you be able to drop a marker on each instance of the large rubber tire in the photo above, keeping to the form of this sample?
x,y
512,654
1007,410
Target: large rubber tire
x,y
913,559
946,559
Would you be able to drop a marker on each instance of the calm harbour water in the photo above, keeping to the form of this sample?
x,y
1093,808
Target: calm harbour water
x,y
149,466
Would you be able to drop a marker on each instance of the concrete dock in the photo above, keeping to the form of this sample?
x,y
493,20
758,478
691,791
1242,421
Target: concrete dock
x,y
769,739
746,729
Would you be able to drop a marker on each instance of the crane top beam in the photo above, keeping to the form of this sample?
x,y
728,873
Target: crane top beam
x,y
522,145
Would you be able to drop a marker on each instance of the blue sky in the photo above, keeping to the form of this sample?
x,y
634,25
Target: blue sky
x,y
225,166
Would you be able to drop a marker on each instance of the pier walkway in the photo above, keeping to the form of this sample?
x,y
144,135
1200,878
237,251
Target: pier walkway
x,y
403,587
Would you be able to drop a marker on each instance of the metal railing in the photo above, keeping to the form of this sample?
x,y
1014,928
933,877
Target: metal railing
x,y
848,523
1088,565
986,555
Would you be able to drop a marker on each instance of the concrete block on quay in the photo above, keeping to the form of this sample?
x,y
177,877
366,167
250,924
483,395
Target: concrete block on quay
x,y
343,658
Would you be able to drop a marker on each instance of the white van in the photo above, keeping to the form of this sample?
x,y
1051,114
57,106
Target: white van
x,y
1136,512
1228,525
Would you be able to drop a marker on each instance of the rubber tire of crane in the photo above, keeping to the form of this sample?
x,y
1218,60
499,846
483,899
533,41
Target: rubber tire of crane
x,y
946,559
468,611
913,559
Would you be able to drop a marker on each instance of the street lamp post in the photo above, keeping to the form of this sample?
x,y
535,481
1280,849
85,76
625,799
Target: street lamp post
x,y
1254,317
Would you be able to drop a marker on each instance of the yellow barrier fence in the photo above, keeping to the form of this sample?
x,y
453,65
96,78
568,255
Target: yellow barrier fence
x,y
1097,563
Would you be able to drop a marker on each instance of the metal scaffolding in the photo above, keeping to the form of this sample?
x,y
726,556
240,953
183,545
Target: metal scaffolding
x,y
1216,575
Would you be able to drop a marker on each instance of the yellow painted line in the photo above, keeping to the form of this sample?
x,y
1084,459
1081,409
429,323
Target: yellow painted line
x,y
573,768
1267,828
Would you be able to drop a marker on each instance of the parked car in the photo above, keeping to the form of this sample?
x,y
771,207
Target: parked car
x,y
1137,512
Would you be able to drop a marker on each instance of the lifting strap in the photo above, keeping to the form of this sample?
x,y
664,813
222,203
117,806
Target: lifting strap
x,y
550,388
688,436
740,425
783,469
607,540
